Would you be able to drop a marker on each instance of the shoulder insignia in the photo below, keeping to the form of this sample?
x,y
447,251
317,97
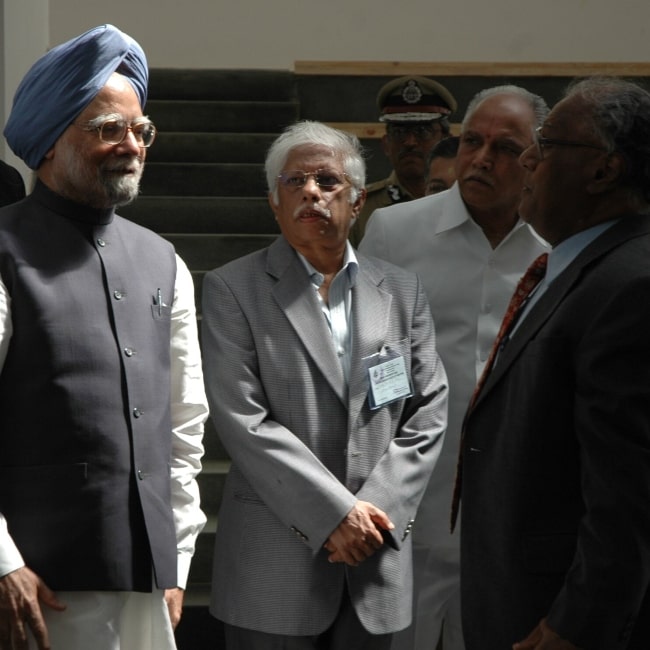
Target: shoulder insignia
x,y
394,193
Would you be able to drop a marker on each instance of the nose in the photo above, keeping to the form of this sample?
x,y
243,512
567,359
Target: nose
x,y
130,144
529,157
410,139
483,157
310,188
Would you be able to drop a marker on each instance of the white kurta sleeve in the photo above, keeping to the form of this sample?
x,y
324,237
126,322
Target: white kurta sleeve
x,y
10,558
189,411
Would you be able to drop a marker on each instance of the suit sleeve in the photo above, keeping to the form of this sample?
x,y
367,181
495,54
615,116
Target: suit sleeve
x,y
279,467
398,481
610,573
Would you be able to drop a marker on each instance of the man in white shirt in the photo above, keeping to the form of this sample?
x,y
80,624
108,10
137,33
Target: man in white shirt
x,y
102,402
469,247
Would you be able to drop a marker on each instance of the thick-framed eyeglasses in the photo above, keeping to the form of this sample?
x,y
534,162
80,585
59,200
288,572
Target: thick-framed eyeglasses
x,y
421,132
114,131
542,142
327,180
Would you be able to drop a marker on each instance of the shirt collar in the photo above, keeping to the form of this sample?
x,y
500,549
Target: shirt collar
x,y
566,251
350,265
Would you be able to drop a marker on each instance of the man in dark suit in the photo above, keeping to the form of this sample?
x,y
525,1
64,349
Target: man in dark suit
x,y
12,186
556,458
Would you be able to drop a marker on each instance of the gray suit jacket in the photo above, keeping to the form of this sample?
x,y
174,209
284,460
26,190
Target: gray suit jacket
x,y
305,448
556,462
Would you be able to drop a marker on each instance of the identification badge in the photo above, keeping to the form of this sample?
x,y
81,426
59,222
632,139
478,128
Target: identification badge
x,y
389,382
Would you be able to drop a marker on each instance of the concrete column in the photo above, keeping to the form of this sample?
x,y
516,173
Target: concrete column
x,y
25,36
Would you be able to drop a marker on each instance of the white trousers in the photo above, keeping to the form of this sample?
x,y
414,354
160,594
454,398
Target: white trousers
x,y
110,621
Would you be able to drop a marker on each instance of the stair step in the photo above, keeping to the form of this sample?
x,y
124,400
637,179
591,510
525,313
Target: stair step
x,y
204,190
207,179
207,147
211,482
207,251
215,84
201,567
221,116
202,214
214,450
197,595
198,629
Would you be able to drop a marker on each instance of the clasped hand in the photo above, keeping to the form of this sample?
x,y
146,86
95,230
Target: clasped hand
x,y
359,535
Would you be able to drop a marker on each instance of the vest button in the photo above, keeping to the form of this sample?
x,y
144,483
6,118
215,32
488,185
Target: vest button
x,y
101,242
118,295
129,352
137,412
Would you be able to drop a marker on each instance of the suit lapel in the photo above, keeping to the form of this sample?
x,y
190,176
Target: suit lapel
x,y
627,228
370,316
296,297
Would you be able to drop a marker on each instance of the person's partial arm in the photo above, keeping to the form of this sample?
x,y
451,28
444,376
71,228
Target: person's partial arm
x,y
604,589
21,590
301,491
10,558
189,411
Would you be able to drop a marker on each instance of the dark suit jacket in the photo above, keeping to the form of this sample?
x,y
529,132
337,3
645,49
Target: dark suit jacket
x,y
556,466
12,186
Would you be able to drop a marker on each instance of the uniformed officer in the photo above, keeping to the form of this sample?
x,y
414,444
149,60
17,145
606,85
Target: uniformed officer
x,y
415,111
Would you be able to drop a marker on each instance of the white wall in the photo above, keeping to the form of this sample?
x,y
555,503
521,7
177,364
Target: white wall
x,y
25,30
275,33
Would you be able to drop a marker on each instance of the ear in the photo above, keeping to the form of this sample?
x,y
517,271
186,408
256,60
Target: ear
x,y
358,204
273,204
607,174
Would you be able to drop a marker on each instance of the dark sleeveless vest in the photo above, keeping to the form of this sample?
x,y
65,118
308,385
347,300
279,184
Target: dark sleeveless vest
x,y
85,428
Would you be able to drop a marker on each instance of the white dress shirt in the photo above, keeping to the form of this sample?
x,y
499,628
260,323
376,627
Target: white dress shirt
x,y
469,285
189,410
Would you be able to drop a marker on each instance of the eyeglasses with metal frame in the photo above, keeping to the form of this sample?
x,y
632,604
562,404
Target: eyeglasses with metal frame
x,y
114,130
327,180
541,142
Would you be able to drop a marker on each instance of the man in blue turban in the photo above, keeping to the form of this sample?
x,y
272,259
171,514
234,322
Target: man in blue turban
x,y
64,81
102,402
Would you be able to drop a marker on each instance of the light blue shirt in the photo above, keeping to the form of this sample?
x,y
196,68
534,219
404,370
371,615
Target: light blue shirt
x,y
338,309
559,259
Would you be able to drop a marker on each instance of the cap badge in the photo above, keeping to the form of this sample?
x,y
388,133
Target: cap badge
x,y
411,93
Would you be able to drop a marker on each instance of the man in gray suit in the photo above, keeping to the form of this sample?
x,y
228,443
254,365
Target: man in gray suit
x,y
330,397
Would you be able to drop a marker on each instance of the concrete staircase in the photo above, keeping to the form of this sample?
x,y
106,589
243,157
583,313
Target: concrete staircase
x,y
204,190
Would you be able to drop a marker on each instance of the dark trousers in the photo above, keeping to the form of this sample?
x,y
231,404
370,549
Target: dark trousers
x,y
345,633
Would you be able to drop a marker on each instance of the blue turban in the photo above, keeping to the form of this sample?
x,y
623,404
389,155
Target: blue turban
x,y
64,81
